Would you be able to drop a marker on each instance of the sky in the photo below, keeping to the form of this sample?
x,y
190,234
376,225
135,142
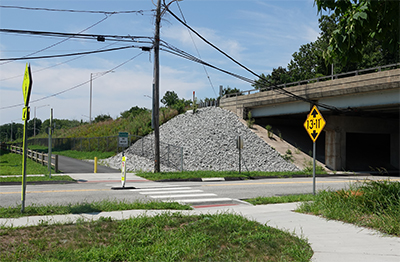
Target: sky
x,y
260,34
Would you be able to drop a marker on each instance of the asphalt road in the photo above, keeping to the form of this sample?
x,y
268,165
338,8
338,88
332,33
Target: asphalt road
x,y
98,187
71,166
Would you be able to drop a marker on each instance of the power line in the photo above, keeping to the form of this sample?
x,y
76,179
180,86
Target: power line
x,y
41,50
77,11
197,50
273,87
76,86
71,54
57,64
100,38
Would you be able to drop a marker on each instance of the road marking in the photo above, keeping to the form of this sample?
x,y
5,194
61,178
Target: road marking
x,y
160,189
204,200
189,195
171,192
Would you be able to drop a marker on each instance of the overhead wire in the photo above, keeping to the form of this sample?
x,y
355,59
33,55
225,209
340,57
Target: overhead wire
x,y
55,65
70,54
273,86
164,46
76,86
43,49
98,37
197,50
76,11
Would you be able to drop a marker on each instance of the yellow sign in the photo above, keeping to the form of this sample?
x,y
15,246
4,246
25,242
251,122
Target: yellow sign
x,y
26,113
27,84
314,123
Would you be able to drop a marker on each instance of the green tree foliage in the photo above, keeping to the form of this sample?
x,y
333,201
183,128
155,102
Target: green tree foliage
x,y
102,118
60,124
170,98
11,131
228,90
360,23
133,112
31,127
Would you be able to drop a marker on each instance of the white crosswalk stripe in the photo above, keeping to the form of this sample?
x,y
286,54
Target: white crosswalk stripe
x,y
184,195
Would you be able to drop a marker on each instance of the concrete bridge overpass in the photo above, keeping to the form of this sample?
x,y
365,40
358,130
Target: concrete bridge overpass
x,y
362,132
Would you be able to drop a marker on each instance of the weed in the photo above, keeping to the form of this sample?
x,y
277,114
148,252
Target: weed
x,y
270,131
250,121
308,169
373,204
288,156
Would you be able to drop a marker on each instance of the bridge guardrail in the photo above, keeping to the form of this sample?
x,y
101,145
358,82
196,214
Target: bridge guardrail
x,y
318,79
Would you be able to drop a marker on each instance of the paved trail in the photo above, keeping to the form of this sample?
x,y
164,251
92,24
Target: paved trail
x,y
71,165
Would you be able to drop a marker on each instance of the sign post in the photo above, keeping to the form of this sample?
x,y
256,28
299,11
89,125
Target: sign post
x,y
123,170
314,125
123,141
239,145
26,90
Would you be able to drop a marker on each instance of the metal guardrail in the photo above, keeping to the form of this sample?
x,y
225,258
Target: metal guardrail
x,y
318,79
36,156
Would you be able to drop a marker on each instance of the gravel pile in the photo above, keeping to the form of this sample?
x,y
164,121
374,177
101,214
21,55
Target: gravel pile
x,y
208,138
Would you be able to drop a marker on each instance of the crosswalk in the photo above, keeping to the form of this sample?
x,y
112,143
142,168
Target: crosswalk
x,y
184,195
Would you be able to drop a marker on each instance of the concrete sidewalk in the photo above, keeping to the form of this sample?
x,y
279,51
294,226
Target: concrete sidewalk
x,y
331,240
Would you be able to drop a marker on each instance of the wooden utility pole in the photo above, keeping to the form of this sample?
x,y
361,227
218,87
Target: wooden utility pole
x,y
156,90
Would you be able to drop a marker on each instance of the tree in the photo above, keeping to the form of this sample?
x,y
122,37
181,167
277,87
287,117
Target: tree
x,y
133,112
360,23
170,98
102,118
278,76
228,90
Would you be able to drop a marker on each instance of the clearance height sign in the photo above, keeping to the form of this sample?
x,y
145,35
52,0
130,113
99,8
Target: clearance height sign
x,y
314,123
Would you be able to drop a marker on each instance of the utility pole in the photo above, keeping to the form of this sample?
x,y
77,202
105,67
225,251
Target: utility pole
x,y
156,90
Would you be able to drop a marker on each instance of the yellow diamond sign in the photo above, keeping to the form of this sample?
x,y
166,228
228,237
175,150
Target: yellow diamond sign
x,y
314,123
27,84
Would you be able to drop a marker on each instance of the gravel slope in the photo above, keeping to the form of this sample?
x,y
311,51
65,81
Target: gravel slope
x,y
208,138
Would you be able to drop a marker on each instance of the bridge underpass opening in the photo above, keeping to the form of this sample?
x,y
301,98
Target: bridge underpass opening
x,y
368,152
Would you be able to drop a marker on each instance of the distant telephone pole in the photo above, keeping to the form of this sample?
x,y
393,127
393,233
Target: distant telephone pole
x,y
156,90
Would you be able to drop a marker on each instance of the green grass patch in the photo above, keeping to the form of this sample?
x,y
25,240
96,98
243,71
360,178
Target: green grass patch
x,y
84,207
165,237
210,174
73,153
11,164
37,178
280,199
373,204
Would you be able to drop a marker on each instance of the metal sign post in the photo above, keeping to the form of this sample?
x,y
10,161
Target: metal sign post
x,y
26,90
314,125
123,141
123,170
50,143
239,145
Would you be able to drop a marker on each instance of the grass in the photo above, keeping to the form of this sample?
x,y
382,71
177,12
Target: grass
x,y
280,199
74,154
84,207
165,237
372,204
210,174
37,178
11,164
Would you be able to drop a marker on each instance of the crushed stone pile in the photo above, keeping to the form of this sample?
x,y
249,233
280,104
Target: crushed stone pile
x,y
207,139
